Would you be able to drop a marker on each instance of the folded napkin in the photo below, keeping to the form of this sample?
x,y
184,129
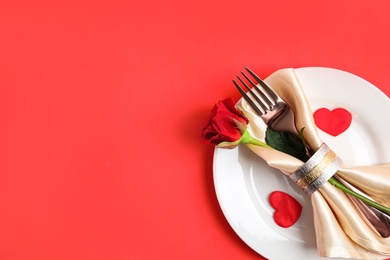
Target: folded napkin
x,y
340,230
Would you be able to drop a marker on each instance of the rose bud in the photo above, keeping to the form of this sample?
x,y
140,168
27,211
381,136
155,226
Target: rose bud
x,y
225,125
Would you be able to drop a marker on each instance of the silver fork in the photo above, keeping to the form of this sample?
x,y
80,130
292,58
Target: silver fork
x,y
277,115
269,106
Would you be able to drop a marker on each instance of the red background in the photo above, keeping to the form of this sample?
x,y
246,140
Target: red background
x,y
102,105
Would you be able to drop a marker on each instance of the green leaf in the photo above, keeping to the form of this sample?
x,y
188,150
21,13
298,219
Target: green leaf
x,y
287,143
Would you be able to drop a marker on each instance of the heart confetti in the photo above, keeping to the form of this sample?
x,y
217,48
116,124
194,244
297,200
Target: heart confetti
x,y
332,122
287,209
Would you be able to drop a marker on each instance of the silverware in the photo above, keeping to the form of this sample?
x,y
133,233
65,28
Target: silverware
x,y
270,107
277,115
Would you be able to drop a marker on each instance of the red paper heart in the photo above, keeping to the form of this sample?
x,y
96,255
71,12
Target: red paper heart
x,y
287,209
332,122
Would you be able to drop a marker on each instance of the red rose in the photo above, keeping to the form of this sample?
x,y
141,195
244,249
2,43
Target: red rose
x,y
222,125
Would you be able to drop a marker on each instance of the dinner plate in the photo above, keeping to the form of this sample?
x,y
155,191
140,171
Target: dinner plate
x,y
243,181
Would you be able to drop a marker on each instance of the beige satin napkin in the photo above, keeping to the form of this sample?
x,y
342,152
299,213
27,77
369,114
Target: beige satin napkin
x,y
340,230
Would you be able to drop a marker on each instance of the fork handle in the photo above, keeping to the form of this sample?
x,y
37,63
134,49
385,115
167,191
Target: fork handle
x,y
284,122
379,220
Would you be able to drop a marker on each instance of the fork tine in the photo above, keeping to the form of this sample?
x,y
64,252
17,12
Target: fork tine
x,y
269,91
267,100
259,101
248,99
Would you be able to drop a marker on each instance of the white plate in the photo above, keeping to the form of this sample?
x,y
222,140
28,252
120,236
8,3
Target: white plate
x,y
243,181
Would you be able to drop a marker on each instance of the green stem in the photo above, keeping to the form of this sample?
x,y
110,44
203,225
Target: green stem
x,y
246,138
368,201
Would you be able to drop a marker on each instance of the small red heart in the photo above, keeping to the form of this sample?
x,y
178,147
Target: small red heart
x,y
287,209
332,122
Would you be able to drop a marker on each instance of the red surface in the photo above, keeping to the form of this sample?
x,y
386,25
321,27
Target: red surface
x,y
102,104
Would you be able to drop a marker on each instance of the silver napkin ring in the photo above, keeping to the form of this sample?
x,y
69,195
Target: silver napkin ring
x,y
317,170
